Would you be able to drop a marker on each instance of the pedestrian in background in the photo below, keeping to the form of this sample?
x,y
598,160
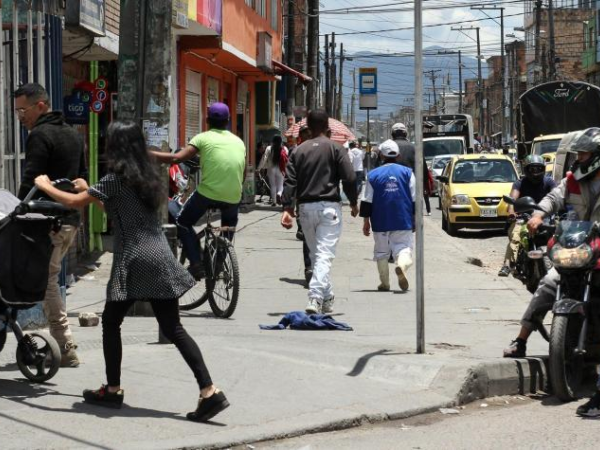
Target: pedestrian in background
x,y
313,177
388,206
144,267
53,147
357,156
275,161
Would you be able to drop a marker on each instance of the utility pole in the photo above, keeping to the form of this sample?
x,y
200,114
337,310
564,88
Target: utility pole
x,y
479,80
502,96
312,58
552,50
144,77
419,171
538,20
460,91
327,75
340,83
333,78
291,37
352,107
433,77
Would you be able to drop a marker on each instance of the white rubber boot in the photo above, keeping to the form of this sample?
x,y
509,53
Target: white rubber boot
x,y
403,262
384,275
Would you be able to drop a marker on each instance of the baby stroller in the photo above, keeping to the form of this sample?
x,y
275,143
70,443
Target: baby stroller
x,y
262,186
26,249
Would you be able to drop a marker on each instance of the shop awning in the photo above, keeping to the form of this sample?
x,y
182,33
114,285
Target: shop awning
x,y
281,69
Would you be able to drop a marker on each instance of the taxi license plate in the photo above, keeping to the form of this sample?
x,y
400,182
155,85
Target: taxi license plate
x,y
488,212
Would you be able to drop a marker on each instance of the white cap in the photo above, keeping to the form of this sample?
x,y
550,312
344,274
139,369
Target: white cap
x,y
398,127
389,149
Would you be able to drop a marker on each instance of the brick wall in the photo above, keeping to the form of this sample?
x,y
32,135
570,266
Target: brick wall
x,y
113,8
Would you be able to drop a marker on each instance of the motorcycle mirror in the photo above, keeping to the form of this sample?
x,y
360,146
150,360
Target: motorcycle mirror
x,y
508,199
525,204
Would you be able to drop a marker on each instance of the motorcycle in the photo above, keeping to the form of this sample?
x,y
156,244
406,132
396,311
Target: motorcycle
x,y
532,262
575,333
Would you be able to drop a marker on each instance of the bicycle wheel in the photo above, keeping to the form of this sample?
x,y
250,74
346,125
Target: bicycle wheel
x,y
197,295
223,277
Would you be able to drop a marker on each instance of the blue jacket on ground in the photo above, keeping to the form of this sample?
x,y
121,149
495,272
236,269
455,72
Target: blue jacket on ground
x,y
299,320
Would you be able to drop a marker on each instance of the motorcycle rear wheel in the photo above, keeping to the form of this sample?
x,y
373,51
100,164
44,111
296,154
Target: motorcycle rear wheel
x,y
566,368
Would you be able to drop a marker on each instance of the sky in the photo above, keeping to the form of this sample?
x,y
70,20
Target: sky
x,y
439,17
437,29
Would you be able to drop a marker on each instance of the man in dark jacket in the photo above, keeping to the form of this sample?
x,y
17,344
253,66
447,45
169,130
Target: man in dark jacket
x,y
55,149
407,150
312,180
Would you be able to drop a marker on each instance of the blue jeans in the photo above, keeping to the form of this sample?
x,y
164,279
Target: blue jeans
x,y
193,210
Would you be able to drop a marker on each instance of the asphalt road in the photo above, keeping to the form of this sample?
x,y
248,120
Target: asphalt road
x,y
496,423
487,245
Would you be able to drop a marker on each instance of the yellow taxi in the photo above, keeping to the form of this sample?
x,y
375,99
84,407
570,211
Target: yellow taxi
x,y
472,187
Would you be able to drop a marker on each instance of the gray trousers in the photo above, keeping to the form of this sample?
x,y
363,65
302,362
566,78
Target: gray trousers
x,y
542,300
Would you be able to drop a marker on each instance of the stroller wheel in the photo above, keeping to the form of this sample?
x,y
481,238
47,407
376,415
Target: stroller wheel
x,y
38,357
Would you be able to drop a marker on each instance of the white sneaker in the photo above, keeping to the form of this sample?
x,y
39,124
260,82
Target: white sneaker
x,y
328,305
313,306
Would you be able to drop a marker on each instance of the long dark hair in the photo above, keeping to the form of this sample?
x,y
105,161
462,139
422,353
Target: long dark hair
x,y
128,157
276,149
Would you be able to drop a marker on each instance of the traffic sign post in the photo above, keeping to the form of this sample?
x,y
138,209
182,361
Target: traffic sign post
x,y
367,88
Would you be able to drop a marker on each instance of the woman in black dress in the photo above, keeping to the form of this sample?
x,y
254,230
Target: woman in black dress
x,y
144,268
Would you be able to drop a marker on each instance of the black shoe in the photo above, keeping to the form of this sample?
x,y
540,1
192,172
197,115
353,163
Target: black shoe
x,y
197,271
504,271
591,408
516,349
209,407
300,235
102,397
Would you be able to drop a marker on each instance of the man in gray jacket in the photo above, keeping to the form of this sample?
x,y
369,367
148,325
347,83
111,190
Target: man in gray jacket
x,y
579,194
312,180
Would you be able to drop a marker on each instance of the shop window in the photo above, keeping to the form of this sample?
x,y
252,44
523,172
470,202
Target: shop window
x,y
261,7
193,105
264,101
274,15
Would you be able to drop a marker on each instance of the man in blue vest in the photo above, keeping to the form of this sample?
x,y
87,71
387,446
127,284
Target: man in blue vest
x,y
388,207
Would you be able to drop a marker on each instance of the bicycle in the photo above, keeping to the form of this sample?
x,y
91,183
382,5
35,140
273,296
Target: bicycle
x,y
222,273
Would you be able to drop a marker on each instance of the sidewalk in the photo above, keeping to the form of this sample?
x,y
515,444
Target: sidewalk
x,y
283,383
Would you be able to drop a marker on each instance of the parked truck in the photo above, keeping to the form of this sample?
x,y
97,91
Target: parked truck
x,y
548,111
447,134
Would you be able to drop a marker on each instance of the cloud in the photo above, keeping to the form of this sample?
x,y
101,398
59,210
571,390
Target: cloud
x,y
403,40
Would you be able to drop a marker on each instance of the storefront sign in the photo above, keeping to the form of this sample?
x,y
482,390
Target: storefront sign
x,y
77,108
86,14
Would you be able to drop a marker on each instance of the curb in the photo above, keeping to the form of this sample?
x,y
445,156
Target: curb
x,y
481,380
505,377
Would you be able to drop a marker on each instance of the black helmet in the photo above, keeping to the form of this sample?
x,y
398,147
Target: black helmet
x,y
534,168
587,141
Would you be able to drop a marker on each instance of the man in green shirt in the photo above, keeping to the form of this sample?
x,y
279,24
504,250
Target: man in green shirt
x,y
222,163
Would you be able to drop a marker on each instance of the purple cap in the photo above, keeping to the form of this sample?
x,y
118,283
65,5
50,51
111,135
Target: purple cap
x,y
218,111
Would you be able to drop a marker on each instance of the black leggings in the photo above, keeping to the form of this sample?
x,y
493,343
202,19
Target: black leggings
x,y
167,316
